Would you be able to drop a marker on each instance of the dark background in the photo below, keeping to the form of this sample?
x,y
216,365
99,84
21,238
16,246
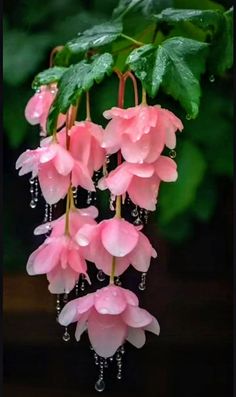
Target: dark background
x,y
189,286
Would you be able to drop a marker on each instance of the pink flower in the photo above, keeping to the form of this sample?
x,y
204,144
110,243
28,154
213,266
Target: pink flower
x,y
77,218
140,132
140,181
115,238
61,259
37,108
111,315
53,165
85,145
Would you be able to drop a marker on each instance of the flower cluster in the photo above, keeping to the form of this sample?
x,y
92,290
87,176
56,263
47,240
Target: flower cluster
x,y
67,160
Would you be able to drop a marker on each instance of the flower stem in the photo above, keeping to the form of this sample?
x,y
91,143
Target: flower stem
x,y
144,96
138,43
113,268
134,81
88,114
53,52
67,223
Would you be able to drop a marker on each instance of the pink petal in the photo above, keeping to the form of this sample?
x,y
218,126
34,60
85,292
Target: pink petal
x,y
166,169
111,136
135,152
118,180
86,234
131,298
81,325
76,261
136,337
54,186
35,108
157,141
62,280
142,170
81,177
121,265
136,317
143,192
46,258
72,310
89,211
106,333
120,112
119,237
110,300
48,153
140,257
63,161
153,326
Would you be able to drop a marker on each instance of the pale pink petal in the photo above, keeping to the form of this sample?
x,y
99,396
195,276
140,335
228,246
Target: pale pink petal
x,y
80,143
143,192
111,136
81,325
136,337
119,237
89,211
86,234
63,161
141,255
121,265
46,258
62,280
106,333
115,112
81,177
54,186
135,152
153,326
48,153
142,170
157,141
35,108
131,298
72,310
110,300
166,169
136,317
117,181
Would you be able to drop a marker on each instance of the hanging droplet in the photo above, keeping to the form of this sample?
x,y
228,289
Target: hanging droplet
x,y
46,213
118,281
122,349
112,199
65,298
172,154
119,365
36,192
134,213
142,284
212,78
101,276
100,385
107,159
105,363
138,221
82,286
89,197
58,305
77,289
50,213
96,359
146,213
74,192
188,117
66,335
32,204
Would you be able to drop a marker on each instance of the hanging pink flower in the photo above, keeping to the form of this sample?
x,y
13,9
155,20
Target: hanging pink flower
x,y
140,132
111,315
85,145
115,238
37,108
77,218
62,260
140,181
53,165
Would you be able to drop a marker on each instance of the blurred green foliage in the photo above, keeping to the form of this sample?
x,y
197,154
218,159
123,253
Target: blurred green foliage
x,y
204,149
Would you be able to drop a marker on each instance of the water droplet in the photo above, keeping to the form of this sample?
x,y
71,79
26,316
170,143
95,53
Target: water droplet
x,y
32,204
134,213
101,276
138,222
172,154
212,78
100,385
66,336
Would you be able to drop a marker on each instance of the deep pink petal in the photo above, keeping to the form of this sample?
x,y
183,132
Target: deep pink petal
x,y
119,237
117,181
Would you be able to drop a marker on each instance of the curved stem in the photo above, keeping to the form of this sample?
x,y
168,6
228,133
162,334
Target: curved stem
x,y
138,43
144,96
134,81
88,114
53,52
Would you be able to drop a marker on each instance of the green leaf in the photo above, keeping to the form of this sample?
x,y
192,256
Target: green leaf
x,y
147,7
175,198
77,79
48,76
176,65
204,19
95,37
198,4
205,201
221,51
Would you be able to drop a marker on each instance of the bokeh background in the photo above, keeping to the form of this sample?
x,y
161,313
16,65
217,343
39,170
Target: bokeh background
x,y
189,286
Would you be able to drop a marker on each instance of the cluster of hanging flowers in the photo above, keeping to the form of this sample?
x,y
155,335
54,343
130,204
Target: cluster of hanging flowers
x,y
75,157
